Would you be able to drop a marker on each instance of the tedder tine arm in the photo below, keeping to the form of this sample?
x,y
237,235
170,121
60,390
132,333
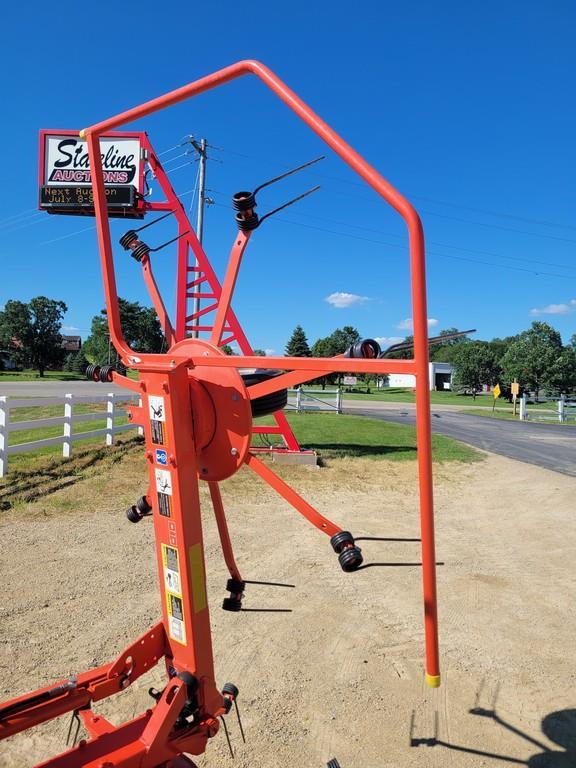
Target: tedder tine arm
x,y
223,530
157,301
293,498
234,262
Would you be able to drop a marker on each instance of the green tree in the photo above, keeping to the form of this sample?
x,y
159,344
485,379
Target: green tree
x,y
227,349
562,376
475,364
444,351
259,352
141,330
31,332
298,344
533,357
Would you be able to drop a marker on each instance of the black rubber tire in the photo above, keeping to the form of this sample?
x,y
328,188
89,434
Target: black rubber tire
x,y
127,238
90,372
264,406
106,373
340,539
96,373
350,559
142,506
235,586
231,689
231,604
243,201
133,515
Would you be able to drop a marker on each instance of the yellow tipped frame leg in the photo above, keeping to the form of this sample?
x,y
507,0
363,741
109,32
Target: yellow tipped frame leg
x,y
433,681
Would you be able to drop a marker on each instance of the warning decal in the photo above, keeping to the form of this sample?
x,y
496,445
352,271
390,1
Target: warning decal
x,y
157,432
157,410
165,505
176,628
163,481
171,570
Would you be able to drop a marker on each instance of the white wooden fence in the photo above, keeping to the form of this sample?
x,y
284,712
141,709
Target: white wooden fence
x,y
565,410
68,436
314,400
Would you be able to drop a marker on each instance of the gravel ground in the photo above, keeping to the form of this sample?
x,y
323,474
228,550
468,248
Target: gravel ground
x,y
341,674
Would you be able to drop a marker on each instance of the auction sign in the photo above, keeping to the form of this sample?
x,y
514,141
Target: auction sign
x,y
65,179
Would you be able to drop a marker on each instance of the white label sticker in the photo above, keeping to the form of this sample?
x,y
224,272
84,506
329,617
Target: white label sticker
x,y
163,481
156,408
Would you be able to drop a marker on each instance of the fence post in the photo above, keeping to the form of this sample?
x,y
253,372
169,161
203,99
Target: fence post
x,y
561,408
299,399
339,399
141,427
67,444
523,414
4,432
110,411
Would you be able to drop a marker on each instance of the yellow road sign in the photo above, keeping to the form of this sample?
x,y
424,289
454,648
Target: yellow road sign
x,y
496,391
515,388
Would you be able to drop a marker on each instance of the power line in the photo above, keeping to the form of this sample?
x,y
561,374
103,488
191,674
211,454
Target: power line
x,y
483,211
430,253
521,259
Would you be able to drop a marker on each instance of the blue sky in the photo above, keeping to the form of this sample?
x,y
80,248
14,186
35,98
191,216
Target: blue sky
x,y
468,109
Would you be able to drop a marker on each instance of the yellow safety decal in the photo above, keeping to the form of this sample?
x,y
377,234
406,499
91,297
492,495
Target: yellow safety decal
x,y
199,601
176,626
171,568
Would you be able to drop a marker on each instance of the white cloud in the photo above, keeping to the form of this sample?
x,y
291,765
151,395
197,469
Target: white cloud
x,y
388,341
342,300
408,325
269,352
70,328
555,309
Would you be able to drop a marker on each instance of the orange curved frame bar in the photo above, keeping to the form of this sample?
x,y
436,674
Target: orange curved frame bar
x,y
418,366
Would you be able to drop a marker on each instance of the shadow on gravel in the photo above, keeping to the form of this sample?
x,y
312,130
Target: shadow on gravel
x,y
559,727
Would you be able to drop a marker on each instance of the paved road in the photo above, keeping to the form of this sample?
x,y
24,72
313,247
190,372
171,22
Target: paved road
x,y
546,445
57,388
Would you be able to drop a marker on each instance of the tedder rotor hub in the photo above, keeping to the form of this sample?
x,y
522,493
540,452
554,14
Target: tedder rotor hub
x,y
221,412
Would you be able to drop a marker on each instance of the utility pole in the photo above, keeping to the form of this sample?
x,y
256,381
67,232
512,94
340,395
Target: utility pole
x,y
200,148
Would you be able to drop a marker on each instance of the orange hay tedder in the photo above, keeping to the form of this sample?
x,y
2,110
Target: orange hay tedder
x,y
197,409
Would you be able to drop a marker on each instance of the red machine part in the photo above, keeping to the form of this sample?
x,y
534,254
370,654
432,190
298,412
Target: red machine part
x,y
196,414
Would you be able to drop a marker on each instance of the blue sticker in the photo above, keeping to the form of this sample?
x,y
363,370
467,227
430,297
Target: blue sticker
x,y
161,457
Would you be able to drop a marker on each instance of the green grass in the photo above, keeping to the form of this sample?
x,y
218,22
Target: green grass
x,y
17,436
30,375
403,395
508,415
334,436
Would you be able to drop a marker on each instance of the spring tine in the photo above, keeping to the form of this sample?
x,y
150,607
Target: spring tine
x,y
155,221
227,737
74,719
159,248
289,173
239,720
290,202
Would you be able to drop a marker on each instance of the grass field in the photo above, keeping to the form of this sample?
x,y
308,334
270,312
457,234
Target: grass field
x,y
30,375
16,436
333,435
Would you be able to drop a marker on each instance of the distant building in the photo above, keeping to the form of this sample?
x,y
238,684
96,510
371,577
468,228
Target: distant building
x,y
440,377
71,343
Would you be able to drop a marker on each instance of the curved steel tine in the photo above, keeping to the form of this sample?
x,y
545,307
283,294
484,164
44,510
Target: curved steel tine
x,y
289,173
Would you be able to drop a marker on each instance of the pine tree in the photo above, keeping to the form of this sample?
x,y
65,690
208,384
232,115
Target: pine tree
x,y
298,344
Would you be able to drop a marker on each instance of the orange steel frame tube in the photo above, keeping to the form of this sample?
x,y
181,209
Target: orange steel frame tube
x,y
418,291
152,740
